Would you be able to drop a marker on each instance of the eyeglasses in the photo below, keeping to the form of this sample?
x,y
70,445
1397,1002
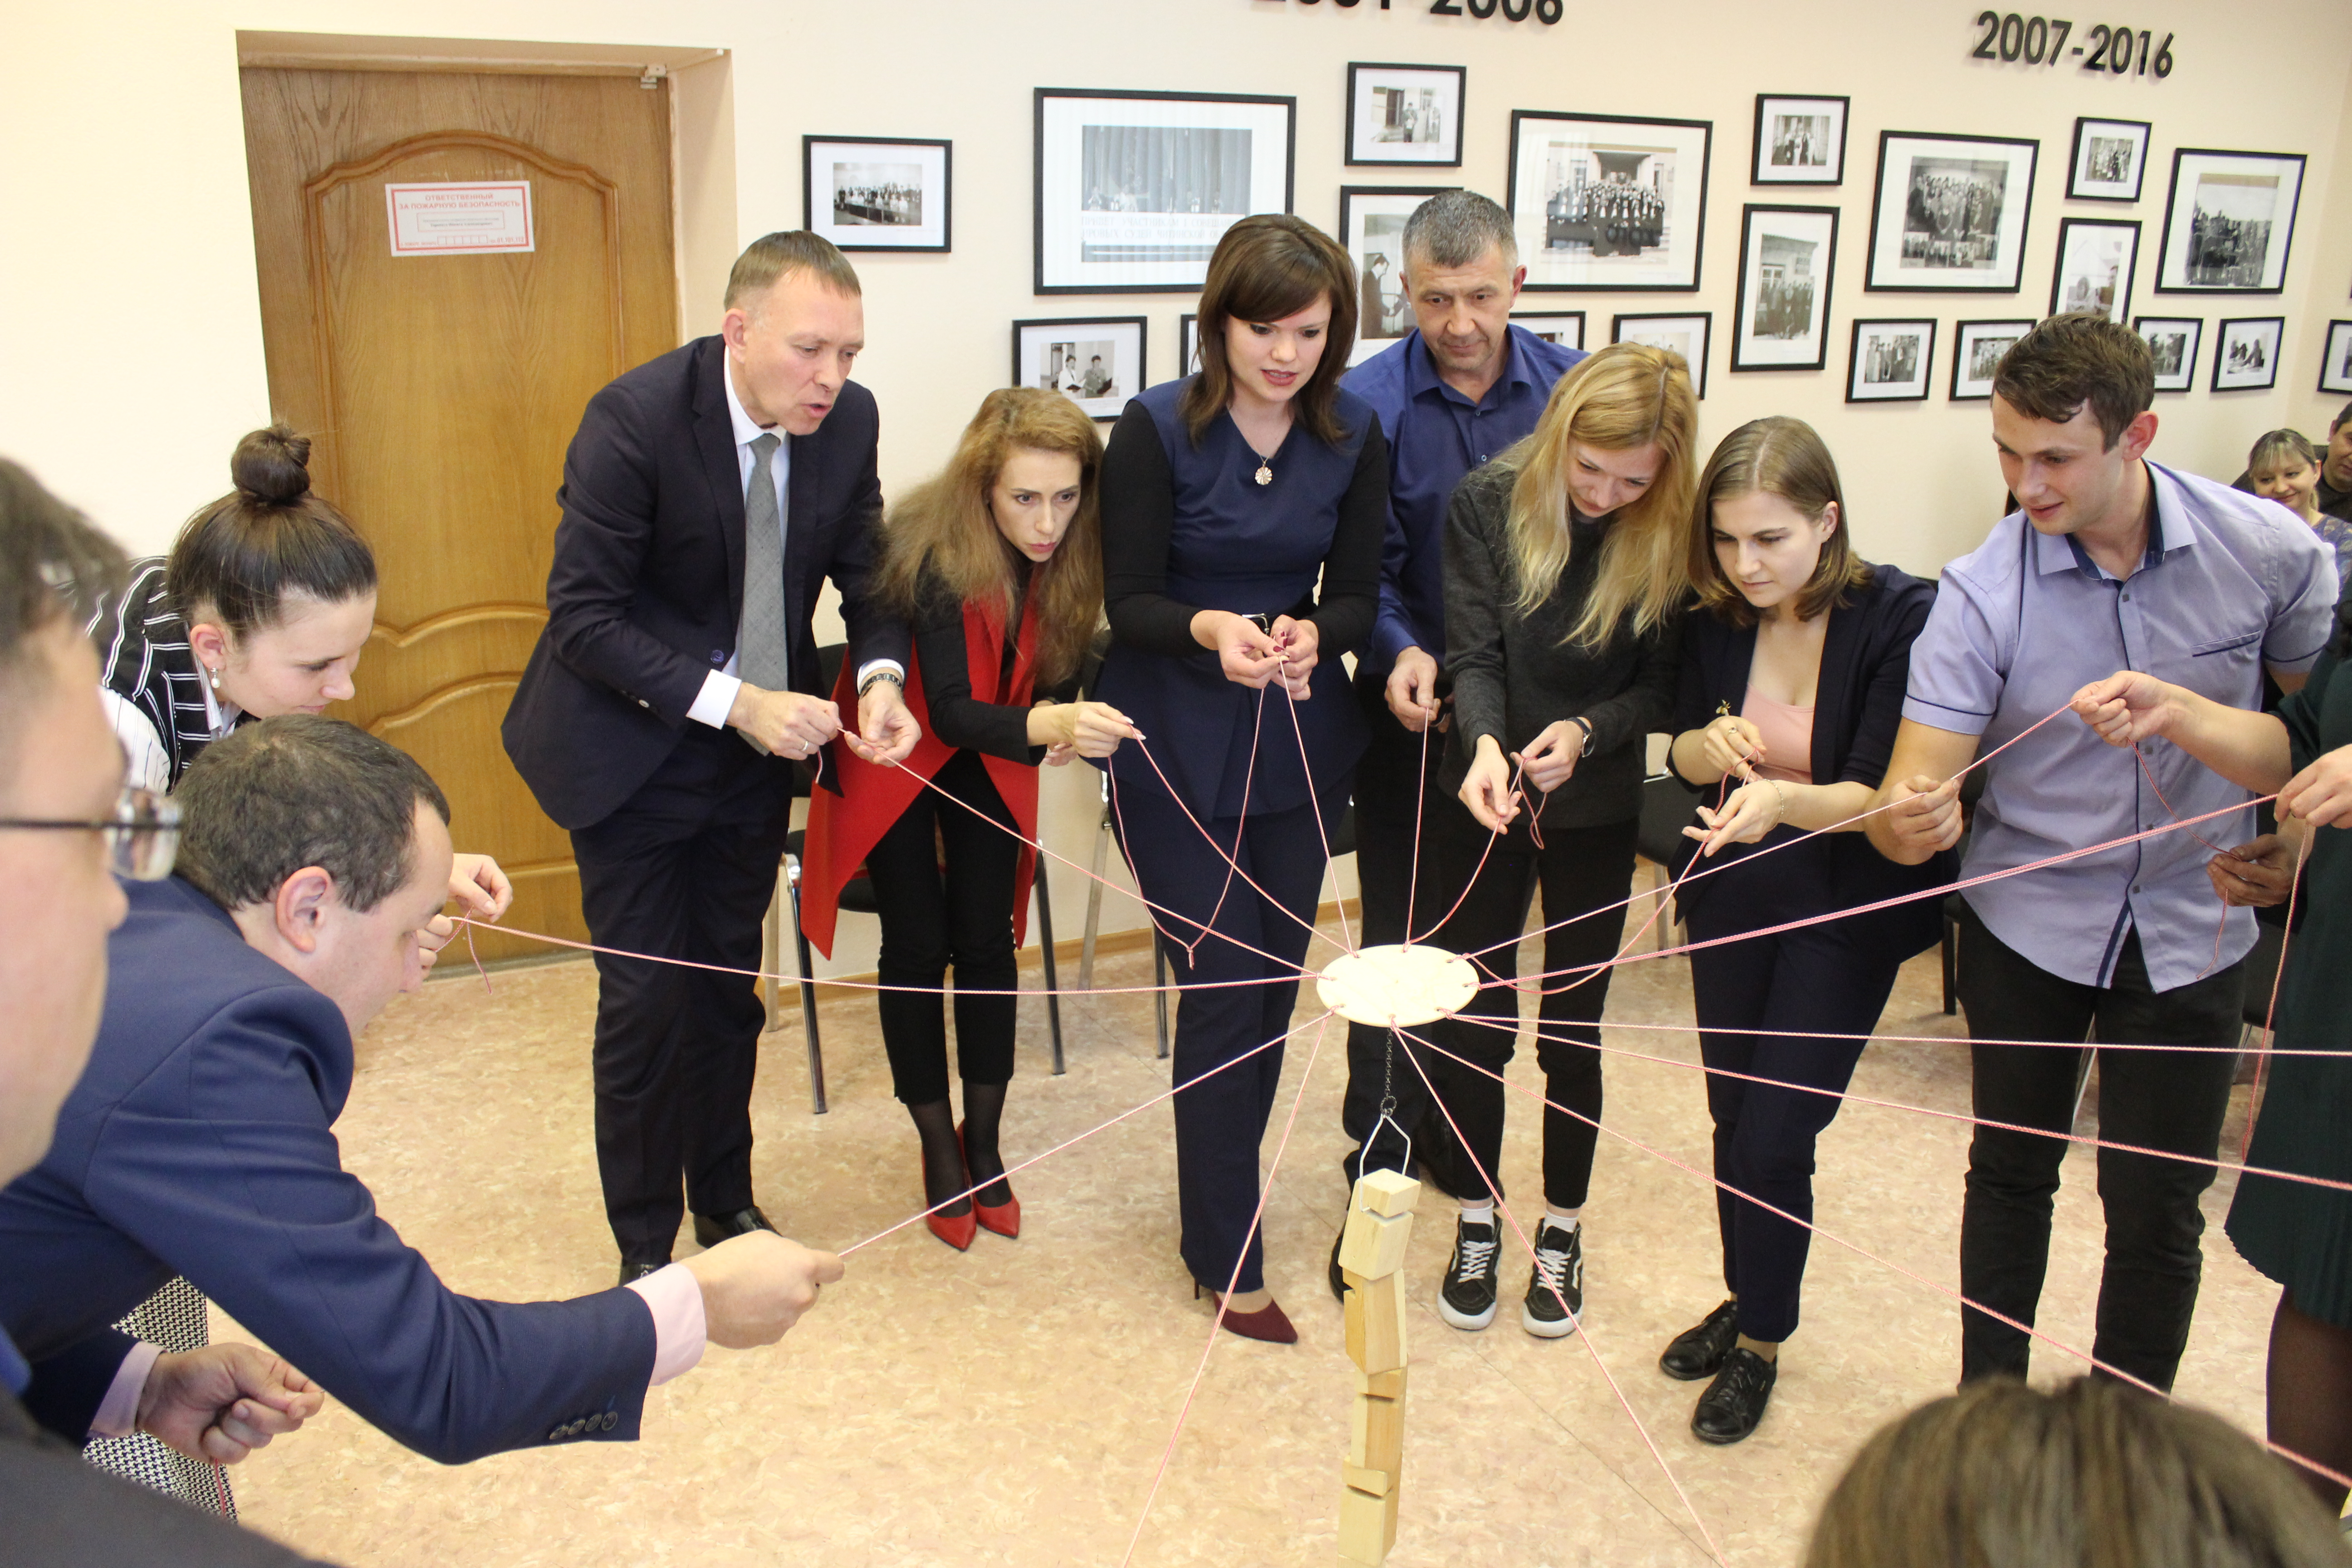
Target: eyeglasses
x,y
141,839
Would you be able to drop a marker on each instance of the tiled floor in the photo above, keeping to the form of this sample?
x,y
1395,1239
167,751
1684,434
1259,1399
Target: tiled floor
x,y
1009,1406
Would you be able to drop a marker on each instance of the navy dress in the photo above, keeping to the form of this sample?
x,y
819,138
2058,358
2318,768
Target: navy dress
x,y
1186,527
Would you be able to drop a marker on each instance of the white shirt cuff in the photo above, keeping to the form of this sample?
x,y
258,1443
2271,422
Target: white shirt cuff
x,y
680,1332
716,699
886,666
118,1413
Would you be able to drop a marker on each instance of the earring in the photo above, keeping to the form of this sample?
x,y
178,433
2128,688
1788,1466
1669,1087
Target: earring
x,y
212,678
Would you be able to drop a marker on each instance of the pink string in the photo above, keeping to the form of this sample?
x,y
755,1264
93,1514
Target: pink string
x,y
1420,795
1511,793
1932,1039
1347,937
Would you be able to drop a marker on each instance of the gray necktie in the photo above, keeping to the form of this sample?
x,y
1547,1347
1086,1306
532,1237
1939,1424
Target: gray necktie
x,y
760,655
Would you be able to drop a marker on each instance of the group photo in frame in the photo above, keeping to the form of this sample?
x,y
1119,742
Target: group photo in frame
x,y
1780,318
1134,189
2172,345
2096,259
1977,348
1565,328
1683,332
1800,140
1891,361
1372,231
2336,358
1096,362
2109,159
1610,202
1951,212
1406,116
878,193
2246,354
2228,219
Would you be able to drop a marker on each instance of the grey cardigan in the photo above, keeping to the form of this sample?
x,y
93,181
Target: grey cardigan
x,y
1515,674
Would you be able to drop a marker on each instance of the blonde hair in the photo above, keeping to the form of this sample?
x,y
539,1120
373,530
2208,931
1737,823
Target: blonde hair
x,y
1628,396
944,524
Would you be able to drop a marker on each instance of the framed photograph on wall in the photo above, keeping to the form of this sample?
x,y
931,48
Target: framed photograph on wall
x,y
1950,214
1188,344
2228,221
1372,230
2109,159
1977,348
1787,257
1565,328
1405,114
1891,361
2095,257
1685,333
1135,189
2336,358
876,193
1609,201
2172,345
1096,362
1800,140
2245,353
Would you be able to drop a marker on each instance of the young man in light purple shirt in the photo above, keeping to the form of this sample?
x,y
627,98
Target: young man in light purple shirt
x,y
2112,562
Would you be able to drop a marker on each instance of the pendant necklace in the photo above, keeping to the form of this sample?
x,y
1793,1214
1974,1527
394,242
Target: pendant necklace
x,y
1265,470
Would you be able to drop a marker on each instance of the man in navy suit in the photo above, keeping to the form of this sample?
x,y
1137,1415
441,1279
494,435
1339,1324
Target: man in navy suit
x,y
706,496
200,1140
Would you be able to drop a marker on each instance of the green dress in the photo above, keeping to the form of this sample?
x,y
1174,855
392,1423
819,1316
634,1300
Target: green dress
x,y
2299,1235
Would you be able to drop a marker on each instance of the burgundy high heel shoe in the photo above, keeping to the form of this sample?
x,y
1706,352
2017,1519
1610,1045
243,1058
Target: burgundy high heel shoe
x,y
1269,1324
1004,1219
958,1231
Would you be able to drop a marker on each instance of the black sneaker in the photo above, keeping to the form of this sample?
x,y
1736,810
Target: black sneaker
x,y
1733,1403
1698,1352
1556,1287
1467,1299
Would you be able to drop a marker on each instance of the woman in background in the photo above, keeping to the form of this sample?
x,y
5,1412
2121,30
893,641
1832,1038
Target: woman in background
x,y
2284,468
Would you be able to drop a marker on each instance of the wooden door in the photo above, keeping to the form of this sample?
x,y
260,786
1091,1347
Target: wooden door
x,y
441,390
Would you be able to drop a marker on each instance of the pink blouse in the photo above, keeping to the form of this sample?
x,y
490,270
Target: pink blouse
x,y
1788,734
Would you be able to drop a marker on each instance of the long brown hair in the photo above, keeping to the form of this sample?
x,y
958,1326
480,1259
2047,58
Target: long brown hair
x,y
944,525
1624,396
1775,456
1266,267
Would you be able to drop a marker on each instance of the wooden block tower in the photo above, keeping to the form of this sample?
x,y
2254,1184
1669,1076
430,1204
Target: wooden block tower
x,y
1371,1255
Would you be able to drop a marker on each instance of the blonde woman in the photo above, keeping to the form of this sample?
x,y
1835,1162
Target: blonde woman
x,y
2284,467
996,563
1565,568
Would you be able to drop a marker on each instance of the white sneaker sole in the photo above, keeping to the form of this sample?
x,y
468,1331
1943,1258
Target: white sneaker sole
x,y
1467,1322
1546,1327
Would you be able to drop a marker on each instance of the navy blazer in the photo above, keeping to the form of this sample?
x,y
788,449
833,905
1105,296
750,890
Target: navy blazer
x,y
200,1141
1857,707
646,592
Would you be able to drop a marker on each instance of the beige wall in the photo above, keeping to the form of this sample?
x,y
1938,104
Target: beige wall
x,y
133,334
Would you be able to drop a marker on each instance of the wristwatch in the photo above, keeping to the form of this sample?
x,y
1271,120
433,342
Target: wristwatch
x,y
1579,718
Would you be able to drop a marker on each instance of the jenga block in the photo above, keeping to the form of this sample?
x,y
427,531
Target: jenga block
x,y
1388,1520
1377,1482
1375,1314
1388,1384
1376,1434
1373,1245
1364,1531
1385,1193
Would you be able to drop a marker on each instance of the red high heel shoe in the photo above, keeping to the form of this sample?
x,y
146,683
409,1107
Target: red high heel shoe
x,y
1004,1219
958,1231
1269,1324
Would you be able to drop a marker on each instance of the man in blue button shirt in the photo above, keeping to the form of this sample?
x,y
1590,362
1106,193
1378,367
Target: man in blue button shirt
x,y
2112,562
1455,392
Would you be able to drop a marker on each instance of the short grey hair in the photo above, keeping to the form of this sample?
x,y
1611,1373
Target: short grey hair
x,y
1453,229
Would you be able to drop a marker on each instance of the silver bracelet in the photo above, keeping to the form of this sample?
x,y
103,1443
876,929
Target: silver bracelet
x,y
879,675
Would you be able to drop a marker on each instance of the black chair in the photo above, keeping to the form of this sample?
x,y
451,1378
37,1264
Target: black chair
x,y
1972,788
1667,804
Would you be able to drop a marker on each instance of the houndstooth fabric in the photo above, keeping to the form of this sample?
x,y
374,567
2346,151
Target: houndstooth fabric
x,y
175,1317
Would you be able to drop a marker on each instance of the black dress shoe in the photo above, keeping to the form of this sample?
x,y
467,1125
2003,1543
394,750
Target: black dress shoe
x,y
633,1272
710,1229
1733,1403
1339,1277
1699,1353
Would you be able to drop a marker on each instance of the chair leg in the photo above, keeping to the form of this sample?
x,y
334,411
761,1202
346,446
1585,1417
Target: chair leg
x,y
1951,966
1094,898
1045,948
808,995
1662,925
772,956
1160,996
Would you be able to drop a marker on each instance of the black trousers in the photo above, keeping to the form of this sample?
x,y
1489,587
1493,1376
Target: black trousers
x,y
1578,869
1221,1122
1391,778
1819,980
685,869
936,914
2158,1100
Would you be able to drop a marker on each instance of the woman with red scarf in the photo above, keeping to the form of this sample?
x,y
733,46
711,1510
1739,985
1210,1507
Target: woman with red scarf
x,y
998,564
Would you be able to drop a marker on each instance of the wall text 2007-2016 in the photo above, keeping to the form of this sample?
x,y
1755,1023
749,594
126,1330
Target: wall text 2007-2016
x,y
2041,40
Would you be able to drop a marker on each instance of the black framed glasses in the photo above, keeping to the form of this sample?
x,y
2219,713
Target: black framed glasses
x,y
142,838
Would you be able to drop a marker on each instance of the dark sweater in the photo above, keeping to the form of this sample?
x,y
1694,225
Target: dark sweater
x,y
997,729
1514,674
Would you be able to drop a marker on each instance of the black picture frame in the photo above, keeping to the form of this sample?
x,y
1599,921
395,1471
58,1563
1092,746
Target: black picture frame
x,y
2335,359
1059,202
1188,331
2236,378
1923,373
1450,124
2119,308
1704,321
1541,324
1976,388
1681,270
872,234
1765,316
1072,331
1761,173
2175,268
1392,203
2082,184
1891,271
2181,376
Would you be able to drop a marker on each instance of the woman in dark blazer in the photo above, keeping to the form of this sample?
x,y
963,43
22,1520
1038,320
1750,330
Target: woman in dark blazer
x,y
1226,496
1792,678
